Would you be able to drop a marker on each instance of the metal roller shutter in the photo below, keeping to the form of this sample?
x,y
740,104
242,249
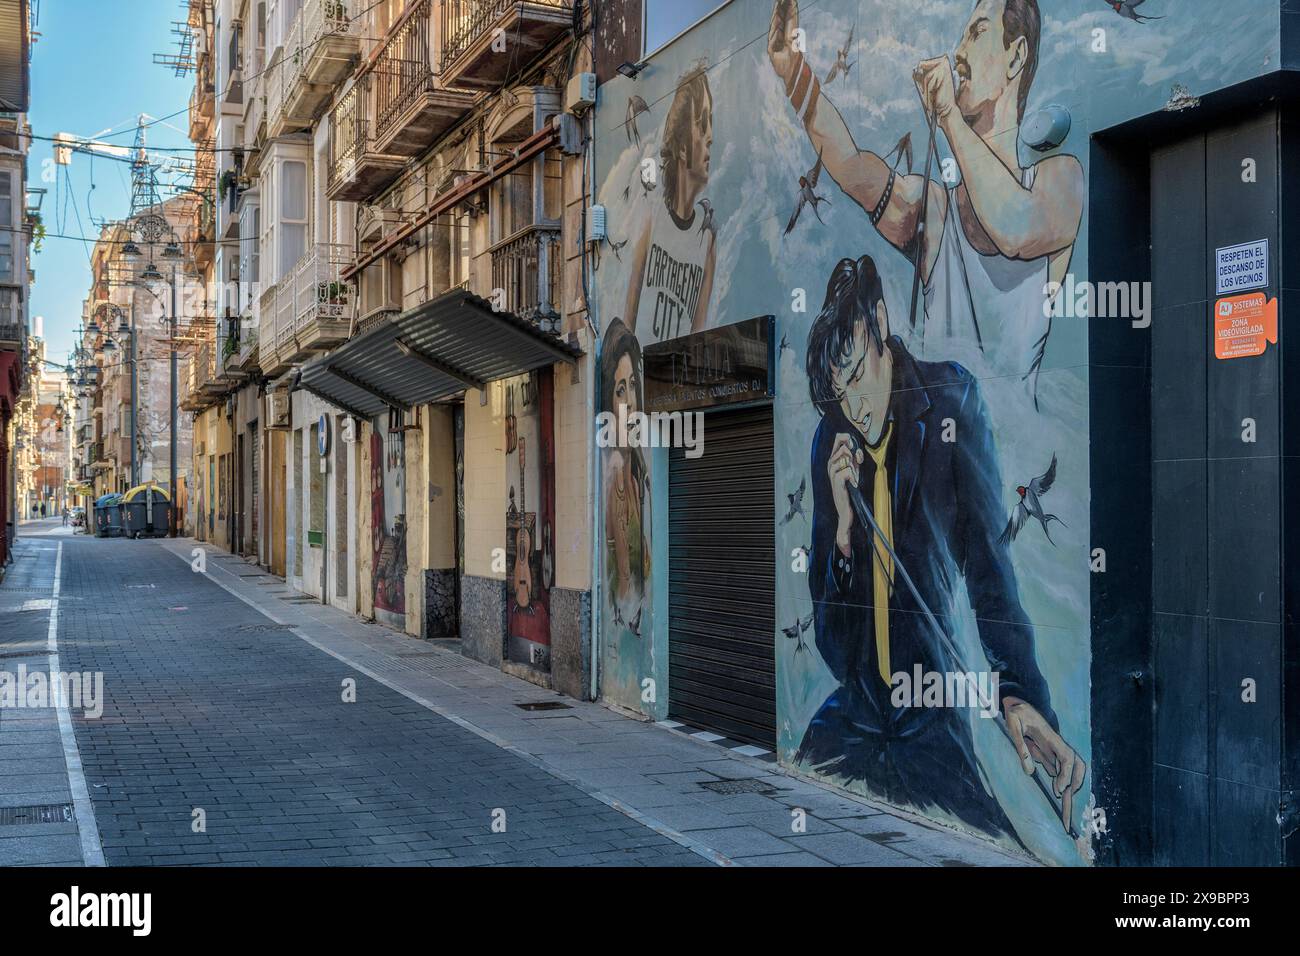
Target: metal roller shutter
x,y
722,579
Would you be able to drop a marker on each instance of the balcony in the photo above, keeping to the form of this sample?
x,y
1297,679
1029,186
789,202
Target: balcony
x,y
469,27
358,170
230,372
203,103
313,305
317,56
412,109
269,350
529,267
255,96
233,95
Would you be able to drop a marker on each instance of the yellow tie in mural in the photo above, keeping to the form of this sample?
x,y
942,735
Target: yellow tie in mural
x,y
882,569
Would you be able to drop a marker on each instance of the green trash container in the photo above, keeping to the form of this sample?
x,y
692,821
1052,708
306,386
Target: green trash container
x,y
108,516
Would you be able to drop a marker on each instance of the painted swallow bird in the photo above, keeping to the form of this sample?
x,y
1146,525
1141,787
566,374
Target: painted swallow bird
x,y
1029,506
780,349
635,107
1128,10
706,224
902,151
796,503
795,632
617,247
808,195
842,64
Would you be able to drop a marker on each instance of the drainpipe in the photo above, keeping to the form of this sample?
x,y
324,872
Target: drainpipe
x,y
593,469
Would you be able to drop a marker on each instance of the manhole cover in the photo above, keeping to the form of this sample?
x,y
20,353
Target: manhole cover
x,y
36,813
544,705
733,787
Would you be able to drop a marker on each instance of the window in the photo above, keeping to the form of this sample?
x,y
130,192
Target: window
x,y
293,214
512,203
7,224
249,247
664,20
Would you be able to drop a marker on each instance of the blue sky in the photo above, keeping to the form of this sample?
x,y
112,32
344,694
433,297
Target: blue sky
x,y
93,69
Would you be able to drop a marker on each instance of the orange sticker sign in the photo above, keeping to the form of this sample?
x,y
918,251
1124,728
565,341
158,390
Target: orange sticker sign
x,y
1243,324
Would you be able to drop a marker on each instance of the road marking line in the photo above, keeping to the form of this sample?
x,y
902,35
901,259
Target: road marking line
x,y
92,853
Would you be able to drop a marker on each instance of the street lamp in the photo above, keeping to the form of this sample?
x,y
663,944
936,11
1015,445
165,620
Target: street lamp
x,y
130,251
151,274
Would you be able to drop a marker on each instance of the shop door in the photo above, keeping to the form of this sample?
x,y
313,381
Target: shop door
x,y
722,579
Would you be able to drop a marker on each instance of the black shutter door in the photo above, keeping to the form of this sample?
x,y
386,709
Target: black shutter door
x,y
722,578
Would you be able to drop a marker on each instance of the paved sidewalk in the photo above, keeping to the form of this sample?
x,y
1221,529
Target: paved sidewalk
x,y
37,823
727,808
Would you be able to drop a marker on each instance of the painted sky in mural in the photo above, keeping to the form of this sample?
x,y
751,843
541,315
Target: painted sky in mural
x,y
992,526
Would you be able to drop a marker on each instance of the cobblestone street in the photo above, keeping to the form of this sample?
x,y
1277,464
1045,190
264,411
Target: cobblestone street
x,y
229,736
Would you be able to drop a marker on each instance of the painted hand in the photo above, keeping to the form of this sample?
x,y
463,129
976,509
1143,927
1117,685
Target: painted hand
x,y
780,38
933,80
1037,742
842,468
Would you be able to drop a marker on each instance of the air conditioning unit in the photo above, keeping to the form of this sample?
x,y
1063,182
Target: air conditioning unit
x,y
277,404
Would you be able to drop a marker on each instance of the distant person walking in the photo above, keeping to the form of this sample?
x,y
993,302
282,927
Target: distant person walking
x,y
65,516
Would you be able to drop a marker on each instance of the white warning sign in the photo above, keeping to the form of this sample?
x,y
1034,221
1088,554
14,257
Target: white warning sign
x,y
1241,267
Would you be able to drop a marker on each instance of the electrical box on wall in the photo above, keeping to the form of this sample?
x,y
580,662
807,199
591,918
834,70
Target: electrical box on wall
x,y
580,92
596,229
570,134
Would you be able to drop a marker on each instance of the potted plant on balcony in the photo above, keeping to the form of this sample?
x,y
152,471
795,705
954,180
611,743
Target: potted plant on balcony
x,y
229,180
335,293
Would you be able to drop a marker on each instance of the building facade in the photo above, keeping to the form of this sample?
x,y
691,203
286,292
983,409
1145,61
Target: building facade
x,y
17,229
901,403
394,412
973,338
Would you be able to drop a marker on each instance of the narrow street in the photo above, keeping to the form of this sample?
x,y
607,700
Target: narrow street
x,y
245,724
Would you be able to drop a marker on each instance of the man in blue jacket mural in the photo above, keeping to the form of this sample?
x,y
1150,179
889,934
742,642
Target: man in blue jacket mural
x,y
912,440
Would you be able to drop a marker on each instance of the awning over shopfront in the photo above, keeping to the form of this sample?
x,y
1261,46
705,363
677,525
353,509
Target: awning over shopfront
x,y
445,346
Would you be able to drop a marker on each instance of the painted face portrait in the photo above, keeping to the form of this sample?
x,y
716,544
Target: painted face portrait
x,y
863,380
997,52
688,141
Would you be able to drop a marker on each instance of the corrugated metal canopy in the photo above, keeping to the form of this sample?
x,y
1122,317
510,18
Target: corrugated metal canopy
x,y
445,346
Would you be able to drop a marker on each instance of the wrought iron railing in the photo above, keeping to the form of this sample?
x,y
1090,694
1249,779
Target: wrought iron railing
x,y
528,268
313,290
348,131
464,21
313,22
404,70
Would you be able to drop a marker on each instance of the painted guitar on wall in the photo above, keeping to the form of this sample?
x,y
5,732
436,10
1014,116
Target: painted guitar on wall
x,y
523,573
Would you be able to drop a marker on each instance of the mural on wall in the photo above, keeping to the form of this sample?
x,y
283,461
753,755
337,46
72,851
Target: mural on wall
x,y
859,169
530,518
388,517
983,251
